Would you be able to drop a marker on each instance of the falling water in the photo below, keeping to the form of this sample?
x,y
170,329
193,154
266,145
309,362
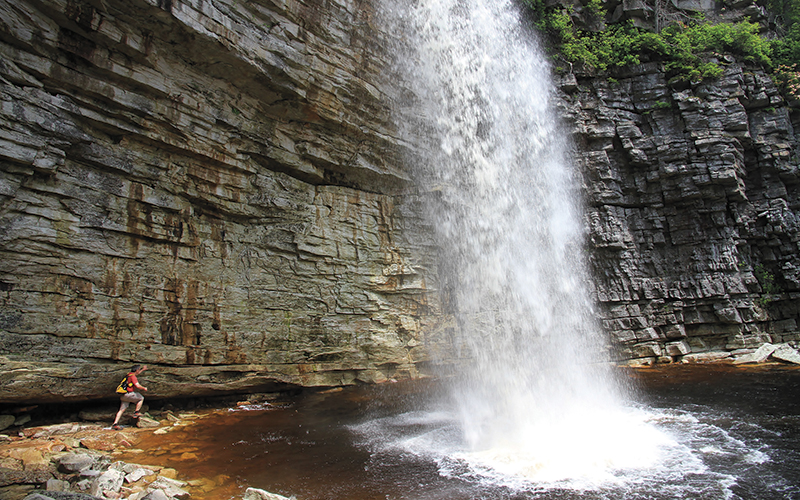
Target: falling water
x,y
536,398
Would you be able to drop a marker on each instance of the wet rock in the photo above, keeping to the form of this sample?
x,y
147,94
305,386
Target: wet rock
x,y
759,356
171,487
257,494
31,458
147,423
155,495
133,472
786,353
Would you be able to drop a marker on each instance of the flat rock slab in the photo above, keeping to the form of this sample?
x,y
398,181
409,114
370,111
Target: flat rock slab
x,y
787,353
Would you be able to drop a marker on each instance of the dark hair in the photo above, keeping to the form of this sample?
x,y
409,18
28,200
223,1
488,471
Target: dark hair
x,y
135,368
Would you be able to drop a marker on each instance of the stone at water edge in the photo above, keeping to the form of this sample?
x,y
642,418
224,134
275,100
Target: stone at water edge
x,y
156,495
257,494
761,355
784,352
147,423
171,487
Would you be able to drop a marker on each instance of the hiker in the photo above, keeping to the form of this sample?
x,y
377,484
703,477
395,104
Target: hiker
x,y
130,383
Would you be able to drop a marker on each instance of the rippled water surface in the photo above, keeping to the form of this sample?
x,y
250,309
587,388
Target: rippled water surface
x,y
717,432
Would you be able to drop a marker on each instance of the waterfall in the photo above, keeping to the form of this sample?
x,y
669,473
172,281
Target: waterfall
x,y
536,396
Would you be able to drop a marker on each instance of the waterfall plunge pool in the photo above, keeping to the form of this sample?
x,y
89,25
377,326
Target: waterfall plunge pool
x,y
706,431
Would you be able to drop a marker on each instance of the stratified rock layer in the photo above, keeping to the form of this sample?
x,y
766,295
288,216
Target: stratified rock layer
x,y
216,188
692,209
213,188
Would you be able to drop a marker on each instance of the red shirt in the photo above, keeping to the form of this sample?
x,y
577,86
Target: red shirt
x,y
132,381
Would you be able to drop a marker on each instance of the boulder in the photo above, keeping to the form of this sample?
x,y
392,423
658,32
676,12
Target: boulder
x,y
759,356
72,463
171,487
7,421
257,494
156,495
786,353
110,480
147,423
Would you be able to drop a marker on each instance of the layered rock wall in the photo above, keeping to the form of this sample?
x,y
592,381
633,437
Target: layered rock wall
x,y
213,188
692,209
217,188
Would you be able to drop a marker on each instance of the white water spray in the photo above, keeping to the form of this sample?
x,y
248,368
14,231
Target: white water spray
x,y
536,400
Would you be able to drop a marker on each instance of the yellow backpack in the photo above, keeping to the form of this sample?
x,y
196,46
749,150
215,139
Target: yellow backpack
x,y
122,388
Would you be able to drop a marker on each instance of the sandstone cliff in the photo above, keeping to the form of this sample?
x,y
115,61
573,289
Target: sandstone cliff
x,y
693,194
211,187
217,188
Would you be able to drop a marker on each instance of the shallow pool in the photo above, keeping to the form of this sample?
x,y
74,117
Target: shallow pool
x,y
710,432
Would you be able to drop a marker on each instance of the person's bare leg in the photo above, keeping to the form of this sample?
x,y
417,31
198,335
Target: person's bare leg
x,y
119,415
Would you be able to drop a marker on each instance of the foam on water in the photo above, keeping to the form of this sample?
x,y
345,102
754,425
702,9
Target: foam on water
x,y
535,398
675,453
533,407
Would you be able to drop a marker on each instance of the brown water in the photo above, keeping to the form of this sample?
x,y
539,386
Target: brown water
x,y
733,432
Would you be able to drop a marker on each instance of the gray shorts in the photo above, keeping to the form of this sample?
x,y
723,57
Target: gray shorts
x,y
130,397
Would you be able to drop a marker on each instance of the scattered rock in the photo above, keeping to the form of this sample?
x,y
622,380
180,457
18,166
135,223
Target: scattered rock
x,y
147,423
16,491
759,356
155,495
171,487
705,357
74,462
36,463
257,494
786,353
6,421
110,480
59,495
38,476
53,485
22,420
31,458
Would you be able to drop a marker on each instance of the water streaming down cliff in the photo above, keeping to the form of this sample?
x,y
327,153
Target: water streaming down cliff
x,y
535,399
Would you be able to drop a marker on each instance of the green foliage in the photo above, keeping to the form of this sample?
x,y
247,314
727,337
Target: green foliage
x,y
768,286
689,51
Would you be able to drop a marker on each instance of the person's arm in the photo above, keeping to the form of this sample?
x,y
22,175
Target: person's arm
x,y
136,381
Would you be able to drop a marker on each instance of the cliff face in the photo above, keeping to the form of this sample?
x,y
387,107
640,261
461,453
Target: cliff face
x,y
692,198
212,187
692,195
217,188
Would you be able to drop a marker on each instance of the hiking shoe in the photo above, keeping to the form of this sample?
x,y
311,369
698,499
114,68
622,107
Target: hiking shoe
x,y
137,415
116,427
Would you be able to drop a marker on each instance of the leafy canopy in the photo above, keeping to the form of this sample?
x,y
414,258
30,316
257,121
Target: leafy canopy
x,y
686,48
